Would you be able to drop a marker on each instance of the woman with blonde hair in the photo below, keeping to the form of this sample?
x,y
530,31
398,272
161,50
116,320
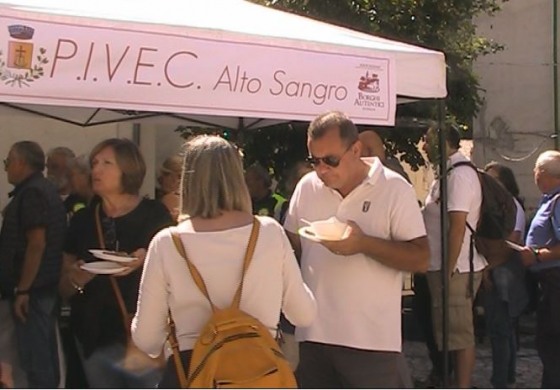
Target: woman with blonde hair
x,y
215,227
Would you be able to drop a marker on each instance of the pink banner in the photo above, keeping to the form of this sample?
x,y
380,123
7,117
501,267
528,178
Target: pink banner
x,y
75,65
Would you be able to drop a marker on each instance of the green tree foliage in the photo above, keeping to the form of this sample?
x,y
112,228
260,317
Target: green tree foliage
x,y
277,147
443,25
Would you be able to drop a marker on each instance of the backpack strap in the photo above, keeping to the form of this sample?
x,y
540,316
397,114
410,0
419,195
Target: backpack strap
x,y
174,343
194,272
470,291
198,278
462,164
172,330
114,283
246,261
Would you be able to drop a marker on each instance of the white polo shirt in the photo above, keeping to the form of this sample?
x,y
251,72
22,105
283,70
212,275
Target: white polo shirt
x,y
358,298
464,194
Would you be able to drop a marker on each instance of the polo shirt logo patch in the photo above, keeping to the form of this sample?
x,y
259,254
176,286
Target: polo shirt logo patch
x,y
365,206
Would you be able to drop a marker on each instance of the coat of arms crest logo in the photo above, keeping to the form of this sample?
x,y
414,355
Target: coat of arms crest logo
x,y
369,83
20,68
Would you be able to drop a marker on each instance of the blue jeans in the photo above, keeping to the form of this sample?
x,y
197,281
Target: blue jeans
x,y
36,339
501,330
104,370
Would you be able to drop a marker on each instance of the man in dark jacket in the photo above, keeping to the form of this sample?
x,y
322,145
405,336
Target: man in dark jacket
x,y
31,241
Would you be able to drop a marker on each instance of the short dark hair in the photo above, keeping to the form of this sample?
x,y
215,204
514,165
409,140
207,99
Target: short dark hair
x,y
333,119
261,173
453,135
130,162
31,153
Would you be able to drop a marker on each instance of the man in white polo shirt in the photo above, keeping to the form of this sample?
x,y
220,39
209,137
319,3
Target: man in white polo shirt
x,y
464,198
355,341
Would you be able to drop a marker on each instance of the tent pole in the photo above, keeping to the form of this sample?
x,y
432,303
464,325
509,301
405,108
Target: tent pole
x,y
444,240
555,72
136,133
240,139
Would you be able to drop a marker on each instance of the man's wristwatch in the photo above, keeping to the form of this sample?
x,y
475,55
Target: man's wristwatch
x,y
18,291
537,253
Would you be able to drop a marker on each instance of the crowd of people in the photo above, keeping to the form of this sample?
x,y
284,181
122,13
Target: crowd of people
x,y
338,302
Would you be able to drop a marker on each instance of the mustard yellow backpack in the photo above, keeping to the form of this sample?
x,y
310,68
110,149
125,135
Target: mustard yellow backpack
x,y
234,349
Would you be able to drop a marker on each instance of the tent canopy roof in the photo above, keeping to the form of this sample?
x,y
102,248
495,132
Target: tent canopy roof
x,y
224,16
420,73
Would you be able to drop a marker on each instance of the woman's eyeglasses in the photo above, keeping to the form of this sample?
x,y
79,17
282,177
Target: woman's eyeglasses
x,y
330,160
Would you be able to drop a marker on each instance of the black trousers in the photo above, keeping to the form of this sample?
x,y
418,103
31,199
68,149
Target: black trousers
x,y
548,327
325,366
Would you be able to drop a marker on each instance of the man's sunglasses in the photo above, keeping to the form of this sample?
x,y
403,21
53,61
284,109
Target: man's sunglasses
x,y
331,161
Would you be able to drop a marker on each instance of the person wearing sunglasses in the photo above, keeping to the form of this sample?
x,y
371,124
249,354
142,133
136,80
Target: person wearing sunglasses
x,y
355,341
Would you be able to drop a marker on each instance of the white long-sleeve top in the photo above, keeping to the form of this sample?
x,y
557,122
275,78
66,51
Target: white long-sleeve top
x,y
272,283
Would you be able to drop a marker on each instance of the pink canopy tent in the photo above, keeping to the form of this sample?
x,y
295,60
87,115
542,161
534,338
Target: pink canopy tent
x,y
227,63
219,63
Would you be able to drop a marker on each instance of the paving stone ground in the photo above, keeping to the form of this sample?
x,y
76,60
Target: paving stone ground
x,y
529,368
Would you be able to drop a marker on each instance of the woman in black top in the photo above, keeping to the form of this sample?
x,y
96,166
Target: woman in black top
x,y
117,219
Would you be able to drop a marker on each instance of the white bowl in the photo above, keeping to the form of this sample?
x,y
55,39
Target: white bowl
x,y
329,229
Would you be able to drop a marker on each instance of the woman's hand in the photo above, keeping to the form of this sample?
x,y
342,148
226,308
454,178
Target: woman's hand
x,y
78,276
133,265
73,278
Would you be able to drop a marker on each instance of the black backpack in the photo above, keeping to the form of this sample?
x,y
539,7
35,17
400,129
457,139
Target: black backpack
x,y
497,219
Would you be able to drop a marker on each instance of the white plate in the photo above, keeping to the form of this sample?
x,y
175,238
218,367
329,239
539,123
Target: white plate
x,y
515,246
307,232
103,267
107,255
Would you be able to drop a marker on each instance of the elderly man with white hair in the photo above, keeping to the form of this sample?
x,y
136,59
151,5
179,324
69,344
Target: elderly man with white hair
x,y
542,256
